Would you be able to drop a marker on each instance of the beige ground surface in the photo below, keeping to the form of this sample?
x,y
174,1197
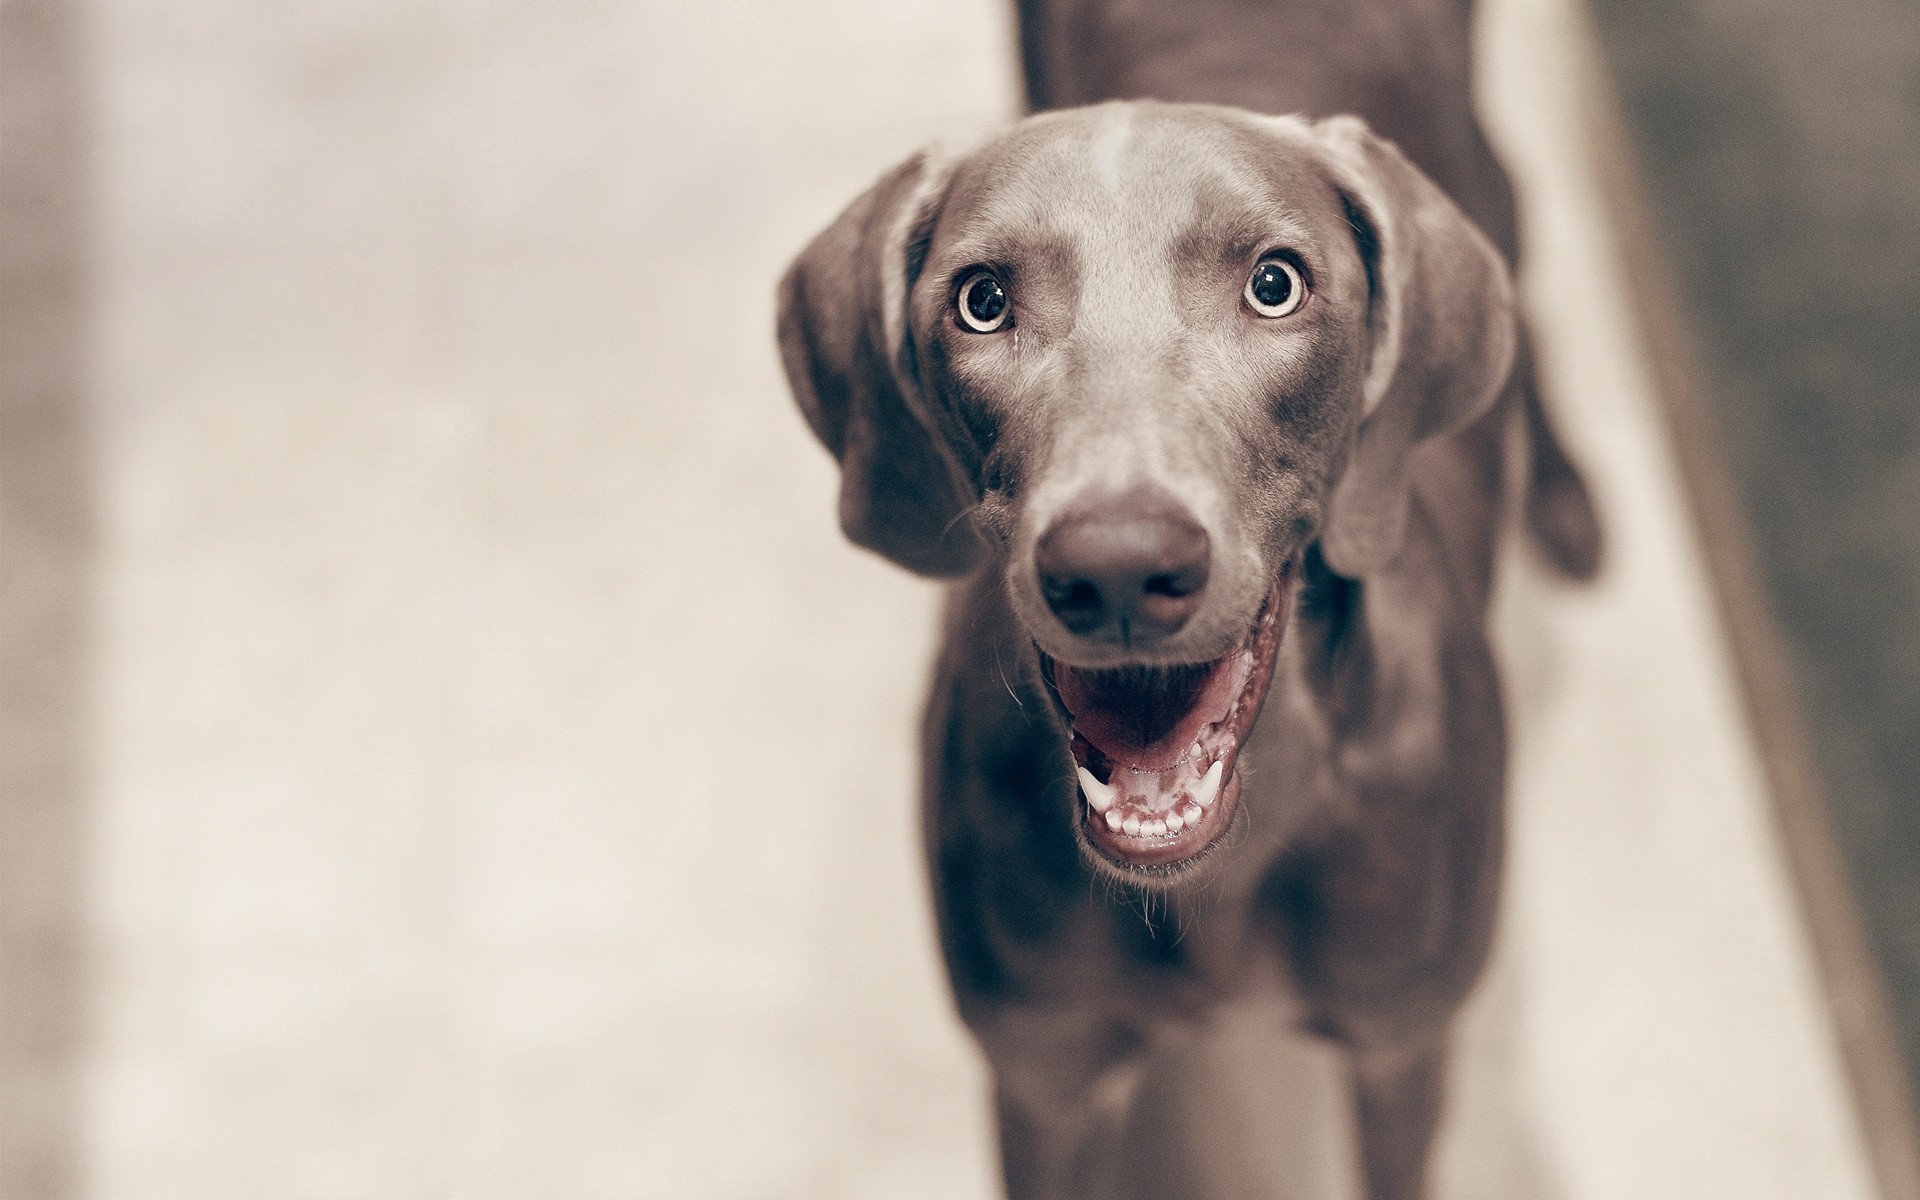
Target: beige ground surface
x,y
490,773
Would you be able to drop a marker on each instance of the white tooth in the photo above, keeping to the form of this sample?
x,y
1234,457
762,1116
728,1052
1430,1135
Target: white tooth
x,y
1113,819
1209,788
1199,754
1131,825
1100,795
1158,828
1193,813
1175,822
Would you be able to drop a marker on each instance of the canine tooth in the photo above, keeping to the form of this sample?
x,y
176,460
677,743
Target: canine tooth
x,y
1113,819
1100,795
1131,825
1209,786
1175,822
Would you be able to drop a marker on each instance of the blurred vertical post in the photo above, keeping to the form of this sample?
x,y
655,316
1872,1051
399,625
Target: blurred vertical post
x,y
45,544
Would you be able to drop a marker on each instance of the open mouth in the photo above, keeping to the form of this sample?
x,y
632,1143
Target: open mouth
x,y
1156,747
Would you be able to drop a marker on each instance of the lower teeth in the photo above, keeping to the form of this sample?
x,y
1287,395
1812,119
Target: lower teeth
x,y
1133,824
1124,818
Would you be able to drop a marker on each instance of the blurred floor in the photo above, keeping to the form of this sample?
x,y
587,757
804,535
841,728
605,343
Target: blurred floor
x,y
495,775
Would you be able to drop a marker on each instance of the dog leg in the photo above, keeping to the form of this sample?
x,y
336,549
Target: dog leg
x,y
1387,936
1397,1105
1063,1141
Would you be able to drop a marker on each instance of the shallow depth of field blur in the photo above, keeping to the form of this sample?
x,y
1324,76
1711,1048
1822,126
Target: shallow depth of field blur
x,y
446,748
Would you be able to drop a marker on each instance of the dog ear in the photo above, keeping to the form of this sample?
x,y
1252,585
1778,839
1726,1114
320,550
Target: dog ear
x,y
849,360
1441,335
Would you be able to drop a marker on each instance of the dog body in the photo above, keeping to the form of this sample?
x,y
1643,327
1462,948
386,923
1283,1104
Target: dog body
x,y
1207,414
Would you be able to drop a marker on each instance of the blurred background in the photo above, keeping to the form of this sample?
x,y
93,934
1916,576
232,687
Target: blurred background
x,y
447,750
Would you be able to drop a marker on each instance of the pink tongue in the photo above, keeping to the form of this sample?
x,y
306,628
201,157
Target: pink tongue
x,y
1118,723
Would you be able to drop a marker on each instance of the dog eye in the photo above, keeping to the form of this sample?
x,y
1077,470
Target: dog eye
x,y
983,304
1275,288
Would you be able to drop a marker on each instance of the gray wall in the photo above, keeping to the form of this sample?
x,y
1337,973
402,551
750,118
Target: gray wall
x,y
1781,147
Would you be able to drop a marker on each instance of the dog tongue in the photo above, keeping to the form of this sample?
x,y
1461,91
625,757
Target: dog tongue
x,y
1146,718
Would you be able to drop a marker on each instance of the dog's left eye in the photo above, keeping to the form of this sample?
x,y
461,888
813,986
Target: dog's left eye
x,y
982,303
1275,288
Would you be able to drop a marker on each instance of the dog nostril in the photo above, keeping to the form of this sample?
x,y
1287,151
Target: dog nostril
x,y
1175,586
1071,595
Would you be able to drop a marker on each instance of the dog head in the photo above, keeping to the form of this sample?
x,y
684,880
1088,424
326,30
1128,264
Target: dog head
x,y
1139,358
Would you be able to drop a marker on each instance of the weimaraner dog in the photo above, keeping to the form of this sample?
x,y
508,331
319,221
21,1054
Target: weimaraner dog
x,y
1209,415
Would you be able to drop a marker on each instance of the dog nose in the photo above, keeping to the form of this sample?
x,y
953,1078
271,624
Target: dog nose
x,y
1129,569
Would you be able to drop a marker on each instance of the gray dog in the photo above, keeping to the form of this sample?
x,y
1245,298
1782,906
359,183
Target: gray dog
x,y
1208,415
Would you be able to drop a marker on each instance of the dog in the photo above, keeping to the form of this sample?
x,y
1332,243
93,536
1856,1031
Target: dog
x,y
1204,388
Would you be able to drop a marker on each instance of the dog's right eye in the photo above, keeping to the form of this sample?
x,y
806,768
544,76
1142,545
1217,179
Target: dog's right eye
x,y
983,304
1275,288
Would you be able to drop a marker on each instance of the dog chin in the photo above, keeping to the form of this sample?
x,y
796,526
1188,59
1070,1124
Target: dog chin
x,y
1156,747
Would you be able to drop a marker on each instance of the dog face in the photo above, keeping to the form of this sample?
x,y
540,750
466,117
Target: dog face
x,y
1138,358
1175,353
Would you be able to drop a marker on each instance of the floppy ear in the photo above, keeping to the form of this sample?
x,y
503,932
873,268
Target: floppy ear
x,y
843,338
1440,330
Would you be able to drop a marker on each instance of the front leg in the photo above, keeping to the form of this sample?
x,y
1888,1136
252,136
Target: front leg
x,y
1064,1086
1387,930
1386,911
1397,1095
1038,964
